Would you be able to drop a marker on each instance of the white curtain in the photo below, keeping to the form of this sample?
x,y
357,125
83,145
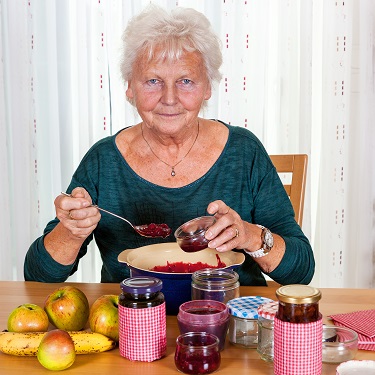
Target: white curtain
x,y
299,73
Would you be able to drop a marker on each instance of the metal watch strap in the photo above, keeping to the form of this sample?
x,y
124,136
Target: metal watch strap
x,y
262,251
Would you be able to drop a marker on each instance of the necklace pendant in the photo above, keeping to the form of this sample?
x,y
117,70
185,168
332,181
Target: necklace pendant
x,y
173,173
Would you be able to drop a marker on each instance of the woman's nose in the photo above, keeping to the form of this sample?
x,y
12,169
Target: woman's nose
x,y
170,95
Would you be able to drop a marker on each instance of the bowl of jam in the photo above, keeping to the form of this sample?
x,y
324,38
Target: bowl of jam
x,y
197,353
175,267
190,235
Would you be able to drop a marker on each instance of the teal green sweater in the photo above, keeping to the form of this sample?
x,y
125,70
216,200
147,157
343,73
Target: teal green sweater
x,y
243,177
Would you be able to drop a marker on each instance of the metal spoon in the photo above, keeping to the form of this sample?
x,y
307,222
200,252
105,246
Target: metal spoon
x,y
145,230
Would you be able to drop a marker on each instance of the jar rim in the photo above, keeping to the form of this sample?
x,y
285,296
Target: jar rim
x,y
215,277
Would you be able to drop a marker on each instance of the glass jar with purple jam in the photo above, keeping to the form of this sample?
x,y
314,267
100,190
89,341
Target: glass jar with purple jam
x,y
197,353
142,319
190,236
204,316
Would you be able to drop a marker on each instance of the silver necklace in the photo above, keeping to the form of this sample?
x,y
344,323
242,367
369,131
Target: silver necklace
x,y
173,173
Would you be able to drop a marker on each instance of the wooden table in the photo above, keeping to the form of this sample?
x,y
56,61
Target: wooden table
x,y
234,360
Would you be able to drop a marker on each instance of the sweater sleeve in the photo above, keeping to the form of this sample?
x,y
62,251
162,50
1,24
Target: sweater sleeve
x,y
40,266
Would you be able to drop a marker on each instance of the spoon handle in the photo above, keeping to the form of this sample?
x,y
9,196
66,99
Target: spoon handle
x,y
102,209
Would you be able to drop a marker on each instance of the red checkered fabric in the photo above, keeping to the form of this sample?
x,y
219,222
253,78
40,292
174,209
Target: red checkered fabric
x,y
362,322
142,333
298,348
364,342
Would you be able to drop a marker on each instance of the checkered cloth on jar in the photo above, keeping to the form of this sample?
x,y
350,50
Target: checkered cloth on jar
x,y
298,348
142,333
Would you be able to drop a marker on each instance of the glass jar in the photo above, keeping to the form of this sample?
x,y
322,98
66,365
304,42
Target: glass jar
x,y
215,284
142,319
266,316
298,321
204,316
243,326
197,353
298,304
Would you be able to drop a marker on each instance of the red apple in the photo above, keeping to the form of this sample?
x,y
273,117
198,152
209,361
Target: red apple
x,y
28,318
67,308
103,316
56,350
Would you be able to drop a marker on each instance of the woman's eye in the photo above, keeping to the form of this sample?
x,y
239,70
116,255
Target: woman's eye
x,y
186,81
153,81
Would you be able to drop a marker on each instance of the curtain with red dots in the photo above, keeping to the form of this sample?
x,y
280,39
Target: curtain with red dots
x,y
298,73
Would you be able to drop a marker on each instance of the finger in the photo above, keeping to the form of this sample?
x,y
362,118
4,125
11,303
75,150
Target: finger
x,y
228,239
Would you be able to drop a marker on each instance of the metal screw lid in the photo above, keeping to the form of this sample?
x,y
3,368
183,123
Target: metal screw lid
x,y
141,285
298,294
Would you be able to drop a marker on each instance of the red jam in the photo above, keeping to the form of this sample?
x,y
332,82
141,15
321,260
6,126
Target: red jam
x,y
181,267
154,230
193,246
197,353
203,311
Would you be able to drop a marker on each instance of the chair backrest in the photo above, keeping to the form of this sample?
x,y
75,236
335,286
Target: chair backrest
x,y
296,165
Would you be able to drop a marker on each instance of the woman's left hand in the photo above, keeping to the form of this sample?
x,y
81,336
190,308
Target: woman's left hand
x,y
230,231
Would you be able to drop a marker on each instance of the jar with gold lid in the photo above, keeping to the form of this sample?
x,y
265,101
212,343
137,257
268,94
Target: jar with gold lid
x,y
298,331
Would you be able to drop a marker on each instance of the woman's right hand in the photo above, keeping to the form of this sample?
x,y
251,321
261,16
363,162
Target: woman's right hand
x,y
76,213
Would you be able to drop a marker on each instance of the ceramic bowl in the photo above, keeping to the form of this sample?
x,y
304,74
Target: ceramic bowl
x,y
340,344
176,285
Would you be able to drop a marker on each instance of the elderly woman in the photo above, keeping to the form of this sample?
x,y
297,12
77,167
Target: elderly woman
x,y
174,166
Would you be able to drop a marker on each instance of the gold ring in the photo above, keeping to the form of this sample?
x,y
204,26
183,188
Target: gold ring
x,y
70,215
237,232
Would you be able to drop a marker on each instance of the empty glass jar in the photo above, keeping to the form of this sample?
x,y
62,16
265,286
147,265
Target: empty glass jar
x,y
215,284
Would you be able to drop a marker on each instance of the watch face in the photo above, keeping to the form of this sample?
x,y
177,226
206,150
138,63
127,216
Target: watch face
x,y
268,238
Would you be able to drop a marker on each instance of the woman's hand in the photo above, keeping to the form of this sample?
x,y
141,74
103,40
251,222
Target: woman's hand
x,y
76,213
230,231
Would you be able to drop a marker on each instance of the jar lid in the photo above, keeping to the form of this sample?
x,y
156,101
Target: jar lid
x,y
298,294
268,310
141,285
246,307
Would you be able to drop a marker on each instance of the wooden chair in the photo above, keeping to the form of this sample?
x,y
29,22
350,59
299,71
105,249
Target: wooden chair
x,y
296,165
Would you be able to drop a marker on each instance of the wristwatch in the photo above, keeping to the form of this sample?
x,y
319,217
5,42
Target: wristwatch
x,y
267,239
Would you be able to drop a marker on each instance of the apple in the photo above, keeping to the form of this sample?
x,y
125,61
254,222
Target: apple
x,y
56,350
103,316
67,308
28,318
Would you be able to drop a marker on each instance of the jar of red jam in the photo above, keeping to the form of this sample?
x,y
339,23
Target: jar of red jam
x,y
142,319
197,353
298,331
204,316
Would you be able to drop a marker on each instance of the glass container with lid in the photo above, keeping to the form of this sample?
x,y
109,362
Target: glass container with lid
x,y
243,326
266,317
142,319
298,331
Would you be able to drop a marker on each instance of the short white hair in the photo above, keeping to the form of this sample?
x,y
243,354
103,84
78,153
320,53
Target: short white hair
x,y
181,29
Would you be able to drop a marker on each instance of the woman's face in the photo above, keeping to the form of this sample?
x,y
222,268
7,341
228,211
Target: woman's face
x,y
169,94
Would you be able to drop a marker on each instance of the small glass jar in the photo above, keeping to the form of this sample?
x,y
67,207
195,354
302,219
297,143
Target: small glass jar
x,y
243,326
142,319
190,235
204,316
266,316
197,353
215,284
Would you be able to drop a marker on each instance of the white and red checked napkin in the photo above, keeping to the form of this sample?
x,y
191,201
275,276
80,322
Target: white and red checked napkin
x,y
363,322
